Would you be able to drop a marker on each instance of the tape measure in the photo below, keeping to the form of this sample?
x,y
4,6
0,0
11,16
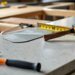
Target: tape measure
x,y
53,28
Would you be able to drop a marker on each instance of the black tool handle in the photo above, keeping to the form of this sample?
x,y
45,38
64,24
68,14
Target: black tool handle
x,y
24,64
24,24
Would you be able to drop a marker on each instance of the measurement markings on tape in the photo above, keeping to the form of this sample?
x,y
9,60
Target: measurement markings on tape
x,y
52,27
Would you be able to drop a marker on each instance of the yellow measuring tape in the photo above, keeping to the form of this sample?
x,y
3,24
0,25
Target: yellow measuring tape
x,y
53,28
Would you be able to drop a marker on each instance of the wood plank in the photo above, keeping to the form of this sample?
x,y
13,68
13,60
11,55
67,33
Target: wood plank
x,y
18,11
58,12
60,4
29,11
12,23
14,20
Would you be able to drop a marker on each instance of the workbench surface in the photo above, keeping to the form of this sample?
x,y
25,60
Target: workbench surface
x,y
57,56
54,56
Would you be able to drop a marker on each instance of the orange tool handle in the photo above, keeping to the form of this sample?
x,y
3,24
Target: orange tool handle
x,y
2,61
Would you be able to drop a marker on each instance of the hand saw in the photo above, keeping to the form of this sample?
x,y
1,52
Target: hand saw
x,y
58,31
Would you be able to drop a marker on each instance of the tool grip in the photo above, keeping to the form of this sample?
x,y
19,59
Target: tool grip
x,y
2,61
23,64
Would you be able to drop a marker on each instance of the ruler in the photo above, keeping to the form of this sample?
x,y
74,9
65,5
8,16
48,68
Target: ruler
x,y
53,28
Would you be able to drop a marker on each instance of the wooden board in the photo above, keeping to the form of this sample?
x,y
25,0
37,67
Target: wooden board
x,y
58,12
31,11
13,22
19,11
49,10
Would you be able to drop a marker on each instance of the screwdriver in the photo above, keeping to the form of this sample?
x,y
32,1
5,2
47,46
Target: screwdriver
x,y
21,64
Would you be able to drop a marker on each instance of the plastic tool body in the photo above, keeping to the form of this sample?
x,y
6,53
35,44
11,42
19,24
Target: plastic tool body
x,y
21,64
